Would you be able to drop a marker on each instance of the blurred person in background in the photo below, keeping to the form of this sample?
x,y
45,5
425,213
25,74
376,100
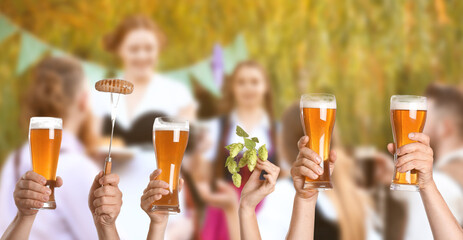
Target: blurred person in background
x,y
248,103
343,213
58,89
444,125
136,42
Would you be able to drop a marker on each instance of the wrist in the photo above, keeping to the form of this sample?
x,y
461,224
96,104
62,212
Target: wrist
x,y
428,185
307,197
106,231
245,206
158,226
22,216
245,211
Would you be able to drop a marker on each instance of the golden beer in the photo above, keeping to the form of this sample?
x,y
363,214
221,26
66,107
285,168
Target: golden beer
x,y
318,113
408,115
45,143
170,139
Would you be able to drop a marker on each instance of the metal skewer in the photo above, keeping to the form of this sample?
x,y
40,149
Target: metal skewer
x,y
108,163
119,86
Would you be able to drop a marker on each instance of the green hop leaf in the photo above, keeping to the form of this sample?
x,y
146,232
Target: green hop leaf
x,y
263,153
249,144
243,161
232,167
234,149
252,159
254,139
236,179
229,160
240,132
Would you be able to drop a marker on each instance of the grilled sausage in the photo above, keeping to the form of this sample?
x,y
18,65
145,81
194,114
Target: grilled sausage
x,y
114,86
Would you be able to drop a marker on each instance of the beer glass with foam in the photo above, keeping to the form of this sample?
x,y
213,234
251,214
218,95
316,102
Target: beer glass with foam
x,y
318,112
45,143
170,137
408,114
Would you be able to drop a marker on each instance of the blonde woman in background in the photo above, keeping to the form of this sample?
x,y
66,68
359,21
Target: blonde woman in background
x,y
342,213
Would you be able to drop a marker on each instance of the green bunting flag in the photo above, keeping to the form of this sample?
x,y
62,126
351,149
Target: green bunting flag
x,y
93,72
31,50
235,53
239,47
181,75
203,74
57,53
6,28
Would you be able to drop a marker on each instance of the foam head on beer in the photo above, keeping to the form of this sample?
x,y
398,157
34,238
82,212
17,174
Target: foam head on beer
x,y
45,143
408,102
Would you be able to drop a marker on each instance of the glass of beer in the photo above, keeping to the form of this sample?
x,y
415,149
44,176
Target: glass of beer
x,y
318,112
170,138
408,115
45,144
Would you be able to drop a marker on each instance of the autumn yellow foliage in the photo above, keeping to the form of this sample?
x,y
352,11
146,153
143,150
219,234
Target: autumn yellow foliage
x,y
363,51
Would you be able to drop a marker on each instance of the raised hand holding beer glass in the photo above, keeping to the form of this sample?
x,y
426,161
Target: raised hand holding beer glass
x,y
154,191
45,143
318,113
30,194
408,116
307,165
170,137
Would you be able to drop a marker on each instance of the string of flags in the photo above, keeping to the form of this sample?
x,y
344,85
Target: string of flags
x,y
208,73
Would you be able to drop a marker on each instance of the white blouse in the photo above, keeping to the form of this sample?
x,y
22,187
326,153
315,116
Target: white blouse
x,y
214,128
162,95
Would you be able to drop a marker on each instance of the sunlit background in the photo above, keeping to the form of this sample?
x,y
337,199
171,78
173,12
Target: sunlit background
x,y
363,51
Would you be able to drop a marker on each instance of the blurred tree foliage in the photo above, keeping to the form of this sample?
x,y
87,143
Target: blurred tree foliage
x,y
361,50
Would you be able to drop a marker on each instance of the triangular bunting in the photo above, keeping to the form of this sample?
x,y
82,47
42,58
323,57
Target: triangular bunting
x,y
93,72
181,75
58,53
31,50
239,46
235,53
203,74
6,28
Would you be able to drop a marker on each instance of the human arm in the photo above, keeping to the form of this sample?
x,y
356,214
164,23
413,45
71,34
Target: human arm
x,y
306,165
105,201
253,193
419,156
153,192
30,192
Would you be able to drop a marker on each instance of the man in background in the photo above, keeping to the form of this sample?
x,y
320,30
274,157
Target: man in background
x,y
444,125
